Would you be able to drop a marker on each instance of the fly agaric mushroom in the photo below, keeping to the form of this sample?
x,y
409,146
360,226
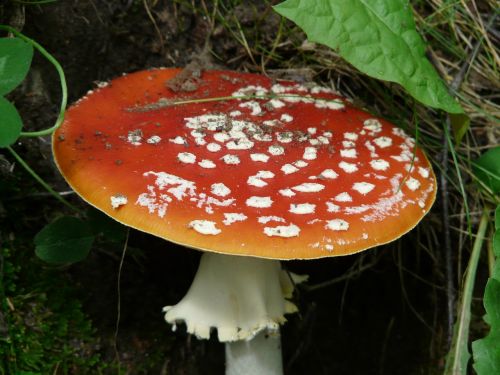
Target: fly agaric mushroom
x,y
244,169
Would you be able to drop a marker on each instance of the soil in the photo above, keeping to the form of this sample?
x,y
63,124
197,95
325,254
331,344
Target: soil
x,y
380,321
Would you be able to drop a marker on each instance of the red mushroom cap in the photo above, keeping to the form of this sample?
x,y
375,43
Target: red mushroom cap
x,y
293,172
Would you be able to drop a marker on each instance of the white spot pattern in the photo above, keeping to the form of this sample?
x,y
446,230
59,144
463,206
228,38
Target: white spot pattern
x,y
310,153
289,168
220,189
259,157
302,208
259,202
241,134
379,164
348,167
282,231
118,200
363,187
213,147
230,218
337,225
309,187
186,157
204,227
231,159
343,197
276,150
208,164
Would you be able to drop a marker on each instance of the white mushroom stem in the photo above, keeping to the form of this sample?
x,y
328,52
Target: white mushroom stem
x,y
259,356
245,300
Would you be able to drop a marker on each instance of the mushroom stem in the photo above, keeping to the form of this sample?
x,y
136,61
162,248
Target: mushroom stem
x,y
245,300
259,356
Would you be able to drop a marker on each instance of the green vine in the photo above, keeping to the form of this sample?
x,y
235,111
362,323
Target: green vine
x,y
62,78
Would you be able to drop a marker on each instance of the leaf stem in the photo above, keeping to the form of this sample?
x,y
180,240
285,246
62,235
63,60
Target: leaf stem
x,y
62,78
119,301
54,193
445,218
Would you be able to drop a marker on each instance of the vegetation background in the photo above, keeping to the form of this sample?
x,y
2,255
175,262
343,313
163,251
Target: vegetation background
x,y
386,311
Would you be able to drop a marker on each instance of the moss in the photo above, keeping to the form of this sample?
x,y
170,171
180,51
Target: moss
x,y
42,327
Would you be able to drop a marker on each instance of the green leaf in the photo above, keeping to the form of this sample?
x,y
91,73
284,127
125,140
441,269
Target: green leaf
x,y
102,224
487,169
10,123
459,125
379,38
15,61
496,237
65,240
487,350
496,243
486,355
492,303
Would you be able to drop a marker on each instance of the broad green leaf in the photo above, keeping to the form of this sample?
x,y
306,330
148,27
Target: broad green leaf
x,y
65,240
486,355
487,350
10,123
103,224
15,61
487,169
379,38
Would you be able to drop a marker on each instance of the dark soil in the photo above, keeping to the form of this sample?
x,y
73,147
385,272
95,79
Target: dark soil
x,y
382,321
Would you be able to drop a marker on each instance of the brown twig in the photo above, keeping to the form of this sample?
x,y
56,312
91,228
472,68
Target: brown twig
x,y
155,25
356,270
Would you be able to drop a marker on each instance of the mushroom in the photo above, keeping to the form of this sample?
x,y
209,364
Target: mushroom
x,y
251,172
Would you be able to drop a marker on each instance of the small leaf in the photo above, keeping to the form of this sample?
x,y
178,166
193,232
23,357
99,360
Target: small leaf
x,y
111,229
65,240
15,61
379,38
459,125
10,123
487,169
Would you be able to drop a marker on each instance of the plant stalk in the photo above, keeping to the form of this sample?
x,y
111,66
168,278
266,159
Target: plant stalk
x,y
458,357
54,193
